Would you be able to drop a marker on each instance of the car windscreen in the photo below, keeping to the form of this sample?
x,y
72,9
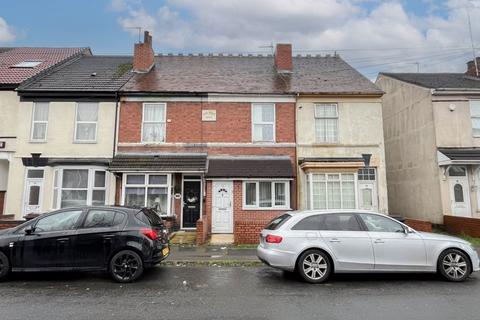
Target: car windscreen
x,y
149,217
277,222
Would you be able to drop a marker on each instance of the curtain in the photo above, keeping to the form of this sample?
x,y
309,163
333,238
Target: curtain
x,y
157,199
250,193
265,194
87,111
41,111
154,113
75,178
280,199
153,132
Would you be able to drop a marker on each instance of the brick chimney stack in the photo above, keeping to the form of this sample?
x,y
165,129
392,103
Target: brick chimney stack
x,y
471,69
283,58
143,55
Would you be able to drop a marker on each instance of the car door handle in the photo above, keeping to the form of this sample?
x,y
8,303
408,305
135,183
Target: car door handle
x,y
108,237
334,240
379,241
63,240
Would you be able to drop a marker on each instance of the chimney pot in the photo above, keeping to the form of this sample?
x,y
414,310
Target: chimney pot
x,y
471,70
143,55
283,58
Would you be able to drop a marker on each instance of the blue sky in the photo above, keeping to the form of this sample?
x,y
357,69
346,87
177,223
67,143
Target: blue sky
x,y
246,26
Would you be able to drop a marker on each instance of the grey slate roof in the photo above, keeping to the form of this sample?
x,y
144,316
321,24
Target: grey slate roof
x,y
161,162
250,168
85,74
461,153
438,80
250,75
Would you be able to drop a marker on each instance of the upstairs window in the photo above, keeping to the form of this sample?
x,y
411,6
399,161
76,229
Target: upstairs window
x,y
39,121
475,117
86,122
153,124
326,123
263,122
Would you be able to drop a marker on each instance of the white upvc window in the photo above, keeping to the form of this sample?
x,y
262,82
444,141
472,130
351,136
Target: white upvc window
x,y
151,190
79,186
39,121
326,122
263,122
153,122
475,117
331,191
86,119
265,195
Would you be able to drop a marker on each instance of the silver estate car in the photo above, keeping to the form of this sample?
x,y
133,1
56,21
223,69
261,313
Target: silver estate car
x,y
317,243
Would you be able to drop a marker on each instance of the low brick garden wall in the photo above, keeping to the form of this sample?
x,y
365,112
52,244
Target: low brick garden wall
x,y
459,225
248,232
202,231
5,224
419,225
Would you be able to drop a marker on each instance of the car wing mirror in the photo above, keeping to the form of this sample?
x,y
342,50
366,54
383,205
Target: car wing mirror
x,y
408,230
29,230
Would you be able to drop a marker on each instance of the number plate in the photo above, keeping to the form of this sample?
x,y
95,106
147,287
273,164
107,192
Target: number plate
x,y
165,251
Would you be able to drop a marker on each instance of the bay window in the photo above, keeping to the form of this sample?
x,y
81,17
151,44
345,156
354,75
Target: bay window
x,y
148,190
263,122
74,187
266,195
331,191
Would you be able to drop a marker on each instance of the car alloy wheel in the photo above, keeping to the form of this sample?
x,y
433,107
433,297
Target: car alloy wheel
x,y
126,266
314,266
454,265
4,266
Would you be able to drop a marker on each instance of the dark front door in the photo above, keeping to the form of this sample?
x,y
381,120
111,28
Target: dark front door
x,y
192,193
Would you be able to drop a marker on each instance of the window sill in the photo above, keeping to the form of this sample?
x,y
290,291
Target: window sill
x,y
84,142
265,209
263,142
38,141
152,142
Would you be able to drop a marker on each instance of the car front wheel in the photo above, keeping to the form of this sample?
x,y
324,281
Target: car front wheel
x,y
314,266
4,266
126,266
454,265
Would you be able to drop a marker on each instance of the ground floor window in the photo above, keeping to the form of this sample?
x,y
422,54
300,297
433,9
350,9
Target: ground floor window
x,y
266,194
331,191
148,190
79,186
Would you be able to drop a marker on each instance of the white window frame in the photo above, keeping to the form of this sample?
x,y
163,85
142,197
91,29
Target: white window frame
x,y
147,185
58,172
257,195
32,139
155,122
77,122
309,183
472,117
264,123
336,117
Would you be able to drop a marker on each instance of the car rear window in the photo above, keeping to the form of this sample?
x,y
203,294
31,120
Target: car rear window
x,y
149,217
278,221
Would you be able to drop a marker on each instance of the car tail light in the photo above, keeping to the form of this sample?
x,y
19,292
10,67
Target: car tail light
x,y
273,239
149,233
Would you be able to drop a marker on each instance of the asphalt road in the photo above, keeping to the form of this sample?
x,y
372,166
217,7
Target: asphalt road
x,y
237,293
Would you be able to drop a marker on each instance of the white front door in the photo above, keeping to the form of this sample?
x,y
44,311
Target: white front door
x,y
460,196
33,196
222,207
367,195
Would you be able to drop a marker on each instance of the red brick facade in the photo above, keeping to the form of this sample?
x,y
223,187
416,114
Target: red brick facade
x,y
419,225
184,122
233,127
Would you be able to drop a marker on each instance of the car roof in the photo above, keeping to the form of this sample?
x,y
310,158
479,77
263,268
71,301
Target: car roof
x,y
121,208
331,211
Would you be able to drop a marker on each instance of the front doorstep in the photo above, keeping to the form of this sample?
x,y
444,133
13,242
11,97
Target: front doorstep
x,y
221,238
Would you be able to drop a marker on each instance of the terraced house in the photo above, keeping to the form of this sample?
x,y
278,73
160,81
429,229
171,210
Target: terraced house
x,y
211,140
18,65
66,135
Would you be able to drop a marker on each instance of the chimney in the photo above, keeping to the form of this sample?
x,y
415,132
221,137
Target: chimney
x,y
471,68
143,55
283,58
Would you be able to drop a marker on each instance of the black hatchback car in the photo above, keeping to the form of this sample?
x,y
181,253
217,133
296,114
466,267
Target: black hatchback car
x,y
123,241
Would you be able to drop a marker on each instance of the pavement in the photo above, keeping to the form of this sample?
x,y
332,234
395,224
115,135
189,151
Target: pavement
x,y
236,293
210,255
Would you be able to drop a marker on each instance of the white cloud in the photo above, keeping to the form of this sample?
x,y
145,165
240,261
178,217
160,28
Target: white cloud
x,y
6,32
247,25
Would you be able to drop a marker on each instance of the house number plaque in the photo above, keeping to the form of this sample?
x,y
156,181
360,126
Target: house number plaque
x,y
209,115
